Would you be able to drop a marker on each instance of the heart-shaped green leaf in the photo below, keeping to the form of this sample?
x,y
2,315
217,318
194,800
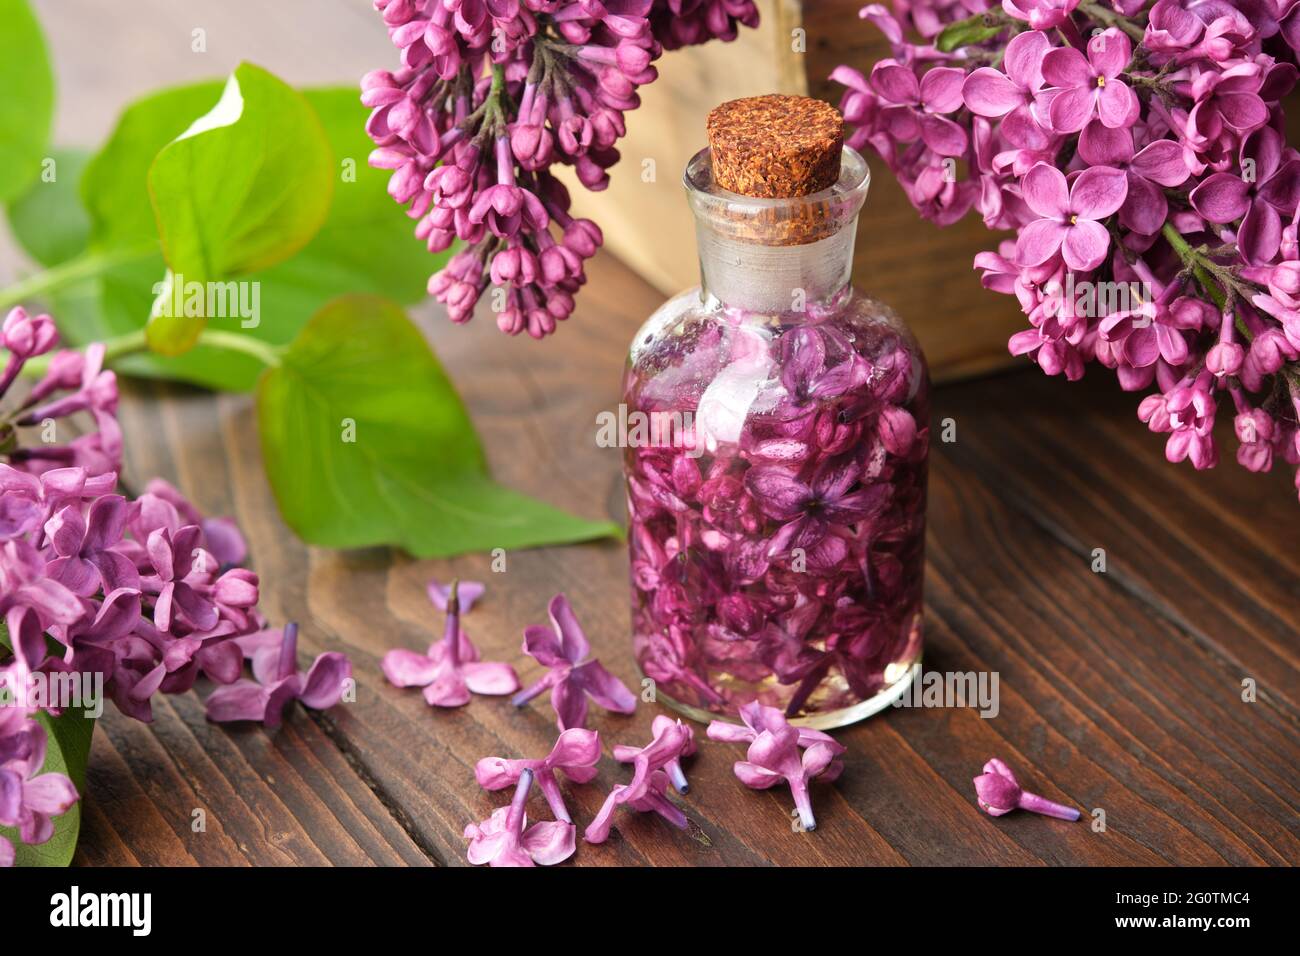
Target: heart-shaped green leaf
x,y
245,187
115,187
366,443
49,220
26,98
366,244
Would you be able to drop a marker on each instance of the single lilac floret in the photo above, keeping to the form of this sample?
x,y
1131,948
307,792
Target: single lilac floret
x,y
505,839
672,741
451,670
573,675
999,793
576,752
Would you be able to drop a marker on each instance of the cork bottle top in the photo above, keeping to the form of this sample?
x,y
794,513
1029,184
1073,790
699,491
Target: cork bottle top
x,y
775,146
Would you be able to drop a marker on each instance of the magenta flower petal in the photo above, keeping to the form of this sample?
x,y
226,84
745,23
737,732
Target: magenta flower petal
x,y
242,700
1085,246
1071,108
1023,60
543,645
405,668
326,681
570,703
550,842
1039,241
990,92
941,89
469,593
1098,192
50,794
604,688
447,690
755,776
1221,198
1163,162
490,678
1117,105
1260,234
573,641
1065,67
1046,191
1109,53
897,84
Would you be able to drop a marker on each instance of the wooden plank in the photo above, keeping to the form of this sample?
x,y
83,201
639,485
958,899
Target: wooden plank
x,y
1214,552
1105,700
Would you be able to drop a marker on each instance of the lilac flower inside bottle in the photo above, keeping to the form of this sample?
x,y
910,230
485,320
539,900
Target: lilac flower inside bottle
x,y
777,439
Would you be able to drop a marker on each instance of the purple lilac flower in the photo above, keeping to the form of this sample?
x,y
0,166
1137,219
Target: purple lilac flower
x,y
999,794
486,99
576,752
648,795
1190,116
145,593
29,799
672,741
505,839
572,676
278,682
451,670
775,756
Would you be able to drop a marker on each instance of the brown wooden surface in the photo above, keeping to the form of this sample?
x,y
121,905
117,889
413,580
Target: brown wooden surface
x,y
1119,691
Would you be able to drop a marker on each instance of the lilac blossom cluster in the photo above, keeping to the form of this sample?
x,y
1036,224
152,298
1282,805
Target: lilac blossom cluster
x,y
488,97
1137,151
137,596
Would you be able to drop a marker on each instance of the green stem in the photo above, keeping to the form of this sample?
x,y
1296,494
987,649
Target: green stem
x,y
134,343
88,265
1195,261
264,352
1112,19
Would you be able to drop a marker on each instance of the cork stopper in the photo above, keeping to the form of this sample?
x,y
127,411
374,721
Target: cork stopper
x,y
775,146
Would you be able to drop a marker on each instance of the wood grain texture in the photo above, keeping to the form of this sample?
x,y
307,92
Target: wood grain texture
x,y
1118,691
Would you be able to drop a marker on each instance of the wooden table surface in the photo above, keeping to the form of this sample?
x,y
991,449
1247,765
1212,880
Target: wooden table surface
x,y
1120,691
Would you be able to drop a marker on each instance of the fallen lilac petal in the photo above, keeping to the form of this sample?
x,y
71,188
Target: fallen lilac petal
x,y
672,741
505,839
450,671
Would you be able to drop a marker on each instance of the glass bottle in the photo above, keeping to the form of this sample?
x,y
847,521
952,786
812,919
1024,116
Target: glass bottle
x,y
776,467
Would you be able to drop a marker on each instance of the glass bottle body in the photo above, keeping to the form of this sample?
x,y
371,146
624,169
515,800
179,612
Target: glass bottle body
x,y
776,491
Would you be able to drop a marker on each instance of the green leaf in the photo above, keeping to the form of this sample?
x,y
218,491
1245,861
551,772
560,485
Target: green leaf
x,y
26,98
67,751
413,473
245,187
366,245
49,220
967,32
115,187
368,242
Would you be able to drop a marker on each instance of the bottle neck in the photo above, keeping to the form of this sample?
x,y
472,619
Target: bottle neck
x,y
786,256
775,279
